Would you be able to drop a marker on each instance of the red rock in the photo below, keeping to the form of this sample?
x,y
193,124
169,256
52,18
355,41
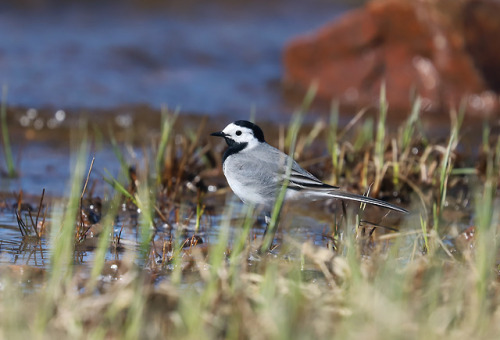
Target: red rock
x,y
411,46
481,32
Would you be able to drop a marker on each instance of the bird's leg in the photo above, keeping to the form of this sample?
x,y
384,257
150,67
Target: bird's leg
x,y
267,219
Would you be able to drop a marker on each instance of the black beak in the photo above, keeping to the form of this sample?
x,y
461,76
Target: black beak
x,y
218,134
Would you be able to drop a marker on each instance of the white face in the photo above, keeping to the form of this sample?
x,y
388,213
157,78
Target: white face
x,y
241,134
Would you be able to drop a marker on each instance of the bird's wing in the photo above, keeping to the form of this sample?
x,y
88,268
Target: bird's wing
x,y
276,162
301,180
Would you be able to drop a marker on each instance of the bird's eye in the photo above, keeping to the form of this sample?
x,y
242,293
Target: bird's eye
x,y
238,133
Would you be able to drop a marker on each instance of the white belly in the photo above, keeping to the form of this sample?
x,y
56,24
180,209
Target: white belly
x,y
245,192
243,187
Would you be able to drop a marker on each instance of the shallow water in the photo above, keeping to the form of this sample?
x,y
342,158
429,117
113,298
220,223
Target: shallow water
x,y
28,258
206,57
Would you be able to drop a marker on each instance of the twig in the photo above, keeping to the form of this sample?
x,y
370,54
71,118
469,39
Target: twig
x,y
33,224
83,193
20,224
376,225
39,209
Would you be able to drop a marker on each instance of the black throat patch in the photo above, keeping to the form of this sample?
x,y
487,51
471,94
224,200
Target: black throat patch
x,y
232,149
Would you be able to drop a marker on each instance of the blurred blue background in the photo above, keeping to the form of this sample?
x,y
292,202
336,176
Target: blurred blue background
x,y
206,57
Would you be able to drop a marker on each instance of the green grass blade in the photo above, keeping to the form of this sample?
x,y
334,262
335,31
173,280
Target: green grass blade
x,y
9,160
380,135
292,136
118,153
166,131
118,186
104,239
333,141
409,126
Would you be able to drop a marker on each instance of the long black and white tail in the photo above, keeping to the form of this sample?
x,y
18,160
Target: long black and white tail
x,y
359,198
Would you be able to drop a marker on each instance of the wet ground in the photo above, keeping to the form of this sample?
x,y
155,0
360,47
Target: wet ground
x,y
45,160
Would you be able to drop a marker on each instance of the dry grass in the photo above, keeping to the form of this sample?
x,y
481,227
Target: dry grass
x,y
429,279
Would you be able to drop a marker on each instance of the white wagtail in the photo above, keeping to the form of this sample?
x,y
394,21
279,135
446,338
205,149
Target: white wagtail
x,y
256,172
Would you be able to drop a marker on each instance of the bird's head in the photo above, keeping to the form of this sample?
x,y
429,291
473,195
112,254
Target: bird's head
x,y
241,132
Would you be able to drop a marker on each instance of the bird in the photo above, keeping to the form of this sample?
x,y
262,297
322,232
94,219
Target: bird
x,y
256,171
